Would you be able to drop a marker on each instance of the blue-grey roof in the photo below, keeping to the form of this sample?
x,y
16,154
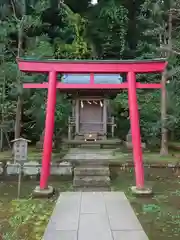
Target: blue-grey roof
x,y
98,78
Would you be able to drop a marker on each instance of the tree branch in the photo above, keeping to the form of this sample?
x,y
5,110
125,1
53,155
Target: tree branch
x,y
164,48
14,10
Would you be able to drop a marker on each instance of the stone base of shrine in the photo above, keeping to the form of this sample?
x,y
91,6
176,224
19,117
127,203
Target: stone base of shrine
x,y
141,191
43,193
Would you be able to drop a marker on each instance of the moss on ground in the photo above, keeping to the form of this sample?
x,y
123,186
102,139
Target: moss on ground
x,y
25,218
120,156
148,157
33,154
28,219
160,214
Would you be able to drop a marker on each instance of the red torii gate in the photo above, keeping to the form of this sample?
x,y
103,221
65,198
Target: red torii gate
x,y
52,67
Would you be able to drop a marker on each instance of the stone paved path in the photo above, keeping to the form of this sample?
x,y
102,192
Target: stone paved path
x,y
93,216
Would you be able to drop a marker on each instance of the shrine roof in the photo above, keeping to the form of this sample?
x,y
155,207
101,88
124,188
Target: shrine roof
x,y
98,78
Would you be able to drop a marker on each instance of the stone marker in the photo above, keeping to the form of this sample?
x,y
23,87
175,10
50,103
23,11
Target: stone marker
x,y
20,146
129,144
39,144
129,137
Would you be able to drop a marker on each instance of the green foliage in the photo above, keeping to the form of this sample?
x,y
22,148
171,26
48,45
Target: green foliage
x,y
112,29
78,48
37,46
150,208
108,28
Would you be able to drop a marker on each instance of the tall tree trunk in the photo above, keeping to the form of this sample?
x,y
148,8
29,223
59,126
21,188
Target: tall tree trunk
x,y
164,131
17,128
2,114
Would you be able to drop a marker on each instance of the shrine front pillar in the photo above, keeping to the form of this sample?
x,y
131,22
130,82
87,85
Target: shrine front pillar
x,y
49,131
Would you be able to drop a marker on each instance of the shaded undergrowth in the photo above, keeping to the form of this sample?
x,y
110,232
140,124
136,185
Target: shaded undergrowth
x,y
159,214
26,218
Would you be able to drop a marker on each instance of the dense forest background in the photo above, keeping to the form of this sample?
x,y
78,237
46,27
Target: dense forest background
x,y
76,29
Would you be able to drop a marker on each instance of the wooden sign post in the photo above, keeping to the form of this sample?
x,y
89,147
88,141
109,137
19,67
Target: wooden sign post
x,y
20,146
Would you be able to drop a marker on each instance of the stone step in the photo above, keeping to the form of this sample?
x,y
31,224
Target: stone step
x,y
93,146
91,181
92,189
91,171
91,162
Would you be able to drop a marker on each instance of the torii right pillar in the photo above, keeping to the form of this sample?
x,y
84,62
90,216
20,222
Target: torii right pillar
x,y
140,188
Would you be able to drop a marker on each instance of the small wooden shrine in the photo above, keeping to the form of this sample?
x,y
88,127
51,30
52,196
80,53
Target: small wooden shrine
x,y
91,117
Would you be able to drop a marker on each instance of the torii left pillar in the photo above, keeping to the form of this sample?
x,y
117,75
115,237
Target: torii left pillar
x,y
44,189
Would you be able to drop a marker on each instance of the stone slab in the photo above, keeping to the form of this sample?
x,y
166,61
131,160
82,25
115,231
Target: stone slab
x,y
92,189
93,216
65,216
88,154
92,171
129,235
61,169
114,196
94,227
94,181
61,235
93,203
121,214
12,168
31,168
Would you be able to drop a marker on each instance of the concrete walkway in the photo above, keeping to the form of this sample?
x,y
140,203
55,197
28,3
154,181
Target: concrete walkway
x,y
93,216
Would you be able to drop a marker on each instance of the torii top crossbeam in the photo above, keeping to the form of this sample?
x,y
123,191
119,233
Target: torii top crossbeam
x,y
91,67
53,67
94,66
